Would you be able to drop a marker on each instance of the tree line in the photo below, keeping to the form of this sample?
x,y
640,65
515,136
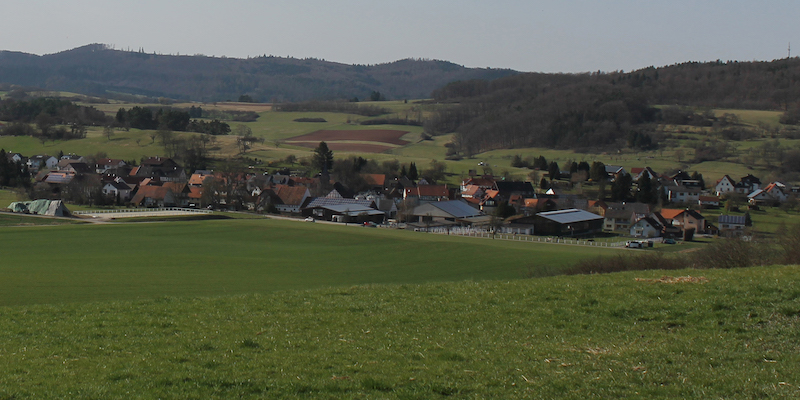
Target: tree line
x,y
170,119
13,174
333,106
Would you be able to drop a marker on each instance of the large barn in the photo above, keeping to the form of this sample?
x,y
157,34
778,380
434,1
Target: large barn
x,y
570,222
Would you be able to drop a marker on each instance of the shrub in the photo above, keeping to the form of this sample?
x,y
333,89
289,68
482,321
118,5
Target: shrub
x,y
731,253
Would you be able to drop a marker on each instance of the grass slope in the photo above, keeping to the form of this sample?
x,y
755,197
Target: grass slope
x,y
606,336
18,220
208,258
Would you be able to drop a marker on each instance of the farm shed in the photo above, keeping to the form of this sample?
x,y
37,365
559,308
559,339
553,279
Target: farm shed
x,y
568,222
347,213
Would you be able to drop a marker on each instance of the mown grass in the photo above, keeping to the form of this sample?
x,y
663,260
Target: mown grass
x,y
210,258
605,336
7,197
7,220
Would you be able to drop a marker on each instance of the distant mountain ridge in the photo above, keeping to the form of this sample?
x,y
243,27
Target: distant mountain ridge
x,y
97,69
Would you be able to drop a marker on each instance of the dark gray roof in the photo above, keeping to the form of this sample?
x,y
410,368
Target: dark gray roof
x,y
353,209
456,208
569,216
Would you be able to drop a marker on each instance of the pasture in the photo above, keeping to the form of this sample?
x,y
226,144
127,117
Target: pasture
x,y
211,258
714,334
283,136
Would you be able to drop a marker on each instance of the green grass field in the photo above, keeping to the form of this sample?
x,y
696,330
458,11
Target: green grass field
x,y
732,334
210,258
22,220
7,197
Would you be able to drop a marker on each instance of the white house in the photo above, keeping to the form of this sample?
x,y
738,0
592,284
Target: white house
x,y
117,188
38,162
646,227
774,193
725,185
682,194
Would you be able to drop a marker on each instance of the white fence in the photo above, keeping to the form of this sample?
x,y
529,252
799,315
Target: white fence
x,y
129,211
482,233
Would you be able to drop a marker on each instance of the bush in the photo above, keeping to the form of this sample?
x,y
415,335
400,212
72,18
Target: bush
x,y
731,253
723,254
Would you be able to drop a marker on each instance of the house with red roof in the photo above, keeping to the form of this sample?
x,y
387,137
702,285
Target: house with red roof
x,y
485,182
427,193
154,196
291,198
684,219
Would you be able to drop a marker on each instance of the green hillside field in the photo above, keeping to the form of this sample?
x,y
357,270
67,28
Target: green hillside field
x,y
79,263
716,334
275,127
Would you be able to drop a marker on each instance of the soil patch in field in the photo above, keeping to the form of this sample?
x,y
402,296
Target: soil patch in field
x,y
366,135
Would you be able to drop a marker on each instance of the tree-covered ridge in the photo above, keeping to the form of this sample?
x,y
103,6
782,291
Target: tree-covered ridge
x,y
600,110
99,70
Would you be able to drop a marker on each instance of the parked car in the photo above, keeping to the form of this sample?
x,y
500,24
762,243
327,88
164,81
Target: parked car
x,y
370,224
669,241
309,219
633,244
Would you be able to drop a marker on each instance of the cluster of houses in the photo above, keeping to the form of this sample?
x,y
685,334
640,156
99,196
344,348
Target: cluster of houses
x,y
161,182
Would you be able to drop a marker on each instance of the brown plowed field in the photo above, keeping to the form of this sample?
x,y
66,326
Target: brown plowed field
x,y
369,135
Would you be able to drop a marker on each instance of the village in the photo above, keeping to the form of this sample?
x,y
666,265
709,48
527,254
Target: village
x,y
480,203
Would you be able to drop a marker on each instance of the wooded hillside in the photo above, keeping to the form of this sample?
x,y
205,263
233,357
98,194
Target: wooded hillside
x,y
600,110
99,70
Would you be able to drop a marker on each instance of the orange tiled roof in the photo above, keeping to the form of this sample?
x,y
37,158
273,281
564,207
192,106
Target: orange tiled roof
x,y
670,213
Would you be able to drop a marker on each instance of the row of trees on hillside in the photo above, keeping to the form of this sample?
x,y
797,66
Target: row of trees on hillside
x,y
333,106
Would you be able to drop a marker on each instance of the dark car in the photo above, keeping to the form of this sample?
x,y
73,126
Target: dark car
x,y
669,241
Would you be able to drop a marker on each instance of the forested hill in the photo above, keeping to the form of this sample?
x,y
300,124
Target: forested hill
x,y
601,110
99,70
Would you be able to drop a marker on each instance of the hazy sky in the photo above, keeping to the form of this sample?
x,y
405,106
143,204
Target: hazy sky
x,y
547,36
